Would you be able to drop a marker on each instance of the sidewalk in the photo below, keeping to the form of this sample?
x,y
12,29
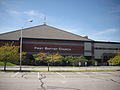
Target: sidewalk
x,y
60,68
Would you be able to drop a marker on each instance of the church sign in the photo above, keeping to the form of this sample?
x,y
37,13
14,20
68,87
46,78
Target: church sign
x,y
52,48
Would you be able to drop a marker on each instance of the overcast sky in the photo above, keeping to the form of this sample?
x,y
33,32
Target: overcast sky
x,y
98,19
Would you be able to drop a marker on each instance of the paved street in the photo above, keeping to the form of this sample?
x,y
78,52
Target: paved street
x,y
60,80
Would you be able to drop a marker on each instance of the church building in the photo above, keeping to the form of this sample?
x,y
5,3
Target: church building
x,y
48,39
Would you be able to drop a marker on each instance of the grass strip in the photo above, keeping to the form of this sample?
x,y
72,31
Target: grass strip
x,y
8,64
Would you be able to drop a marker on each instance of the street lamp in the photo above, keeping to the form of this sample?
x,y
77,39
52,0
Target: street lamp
x,y
21,43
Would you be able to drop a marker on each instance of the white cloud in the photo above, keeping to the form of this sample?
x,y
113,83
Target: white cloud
x,y
28,13
107,31
33,13
14,12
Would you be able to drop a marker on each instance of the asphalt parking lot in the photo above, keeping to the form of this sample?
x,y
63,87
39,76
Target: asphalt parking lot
x,y
60,80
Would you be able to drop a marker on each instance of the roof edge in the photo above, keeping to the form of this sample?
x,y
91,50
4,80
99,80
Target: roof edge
x,y
70,33
56,39
106,42
19,30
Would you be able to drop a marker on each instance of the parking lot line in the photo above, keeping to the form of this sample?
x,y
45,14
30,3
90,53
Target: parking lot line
x,y
14,75
60,75
38,75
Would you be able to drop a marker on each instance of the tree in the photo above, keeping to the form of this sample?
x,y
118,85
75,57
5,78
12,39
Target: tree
x,y
67,60
55,58
92,62
74,60
115,60
44,58
52,59
40,58
29,60
9,53
80,59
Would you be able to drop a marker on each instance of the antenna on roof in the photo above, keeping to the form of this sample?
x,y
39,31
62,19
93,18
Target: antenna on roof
x,y
44,20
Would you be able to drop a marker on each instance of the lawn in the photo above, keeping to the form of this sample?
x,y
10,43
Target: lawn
x,y
8,64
